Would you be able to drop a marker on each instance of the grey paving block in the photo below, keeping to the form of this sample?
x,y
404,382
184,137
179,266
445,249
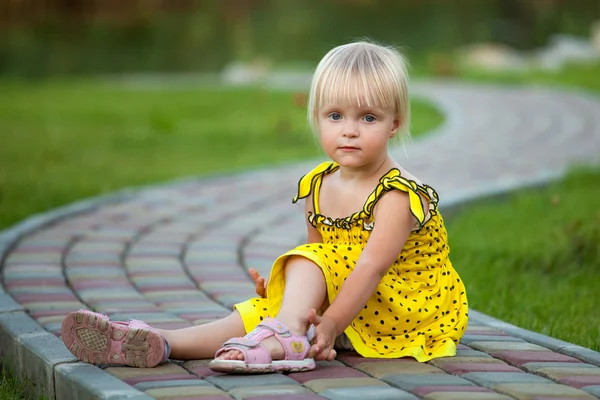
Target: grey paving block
x,y
466,339
471,353
31,352
7,304
367,393
593,390
491,379
87,382
534,366
411,381
230,382
143,386
282,391
582,353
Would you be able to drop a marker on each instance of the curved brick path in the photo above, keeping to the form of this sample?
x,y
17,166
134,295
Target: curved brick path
x,y
178,255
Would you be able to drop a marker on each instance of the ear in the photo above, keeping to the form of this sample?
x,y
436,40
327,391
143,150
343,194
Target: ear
x,y
395,127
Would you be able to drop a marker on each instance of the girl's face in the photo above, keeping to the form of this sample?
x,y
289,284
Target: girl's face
x,y
356,136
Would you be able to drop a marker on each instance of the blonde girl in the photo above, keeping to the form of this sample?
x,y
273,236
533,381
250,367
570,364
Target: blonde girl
x,y
374,270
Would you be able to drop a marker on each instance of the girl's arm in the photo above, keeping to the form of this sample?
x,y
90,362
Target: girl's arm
x,y
394,222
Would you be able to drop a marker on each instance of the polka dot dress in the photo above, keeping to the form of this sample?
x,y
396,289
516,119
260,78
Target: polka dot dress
x,y
419,308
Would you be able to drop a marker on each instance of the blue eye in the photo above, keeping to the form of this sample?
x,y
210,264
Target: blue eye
x,y
335,116
369,118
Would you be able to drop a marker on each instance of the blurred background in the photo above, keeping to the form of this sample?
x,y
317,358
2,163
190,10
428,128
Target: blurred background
x,y
98,95
42,38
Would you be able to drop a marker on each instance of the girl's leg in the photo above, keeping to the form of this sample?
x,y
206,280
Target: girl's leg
x,y
305,290
203,341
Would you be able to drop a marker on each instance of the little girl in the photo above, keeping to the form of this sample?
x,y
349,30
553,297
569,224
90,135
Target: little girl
x,y
375,265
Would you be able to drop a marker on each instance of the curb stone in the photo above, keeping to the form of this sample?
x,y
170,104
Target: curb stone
x,y
557,345
86,382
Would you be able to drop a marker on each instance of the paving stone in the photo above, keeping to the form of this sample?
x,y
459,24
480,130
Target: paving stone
x,y
143,386
594,389
488,346
333,363
7,304
200,368
534,366
561,372
440,362
518,358
528,391
470,353
467,339
466,396
464,368
230,382
163,369
587,355
424,390
581,381
287,397
492,379
409,382
352,358
379,369
158,378
367,393
320,385
185,391
326,373
86,382
268,391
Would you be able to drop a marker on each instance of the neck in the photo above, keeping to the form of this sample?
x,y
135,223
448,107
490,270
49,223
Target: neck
x,y
366,171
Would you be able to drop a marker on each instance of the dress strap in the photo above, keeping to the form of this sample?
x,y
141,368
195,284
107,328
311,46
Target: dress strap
x,y
311,182
394,180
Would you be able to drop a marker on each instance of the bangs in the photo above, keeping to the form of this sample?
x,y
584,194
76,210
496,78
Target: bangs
x,y
360,87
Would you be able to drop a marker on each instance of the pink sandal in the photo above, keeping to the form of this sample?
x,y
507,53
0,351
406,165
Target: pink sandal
x,y
257,359
94,338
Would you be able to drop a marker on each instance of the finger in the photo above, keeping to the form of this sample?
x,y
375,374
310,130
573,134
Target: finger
x,y
260,287
324,354
332,355
254,274
313,351
313,317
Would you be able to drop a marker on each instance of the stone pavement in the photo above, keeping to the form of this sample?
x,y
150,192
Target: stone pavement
x,y
177,254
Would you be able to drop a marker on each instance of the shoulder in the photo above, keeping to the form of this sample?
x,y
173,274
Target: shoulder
x,y
398,186
307,182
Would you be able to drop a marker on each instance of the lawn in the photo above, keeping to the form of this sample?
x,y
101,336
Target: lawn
x,y
65,141
531,258
582,76
11,389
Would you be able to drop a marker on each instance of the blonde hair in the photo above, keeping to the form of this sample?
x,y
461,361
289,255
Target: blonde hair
x,y
363,74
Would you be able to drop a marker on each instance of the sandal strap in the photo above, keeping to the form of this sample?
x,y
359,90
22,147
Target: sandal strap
x,y
294,347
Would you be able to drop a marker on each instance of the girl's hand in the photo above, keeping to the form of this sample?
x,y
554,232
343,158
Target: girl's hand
x,y
261,283
325,333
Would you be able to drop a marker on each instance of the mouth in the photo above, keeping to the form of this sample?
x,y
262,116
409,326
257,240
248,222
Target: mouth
x,y
348,148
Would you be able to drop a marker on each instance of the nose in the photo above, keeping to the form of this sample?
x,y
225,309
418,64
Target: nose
x,y
350,129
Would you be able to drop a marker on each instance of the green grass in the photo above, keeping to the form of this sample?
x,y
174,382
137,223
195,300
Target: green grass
x,y
12,389
575,75
64,141
532,258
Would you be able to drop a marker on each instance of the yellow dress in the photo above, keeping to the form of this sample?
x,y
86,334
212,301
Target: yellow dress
x,y
420,306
